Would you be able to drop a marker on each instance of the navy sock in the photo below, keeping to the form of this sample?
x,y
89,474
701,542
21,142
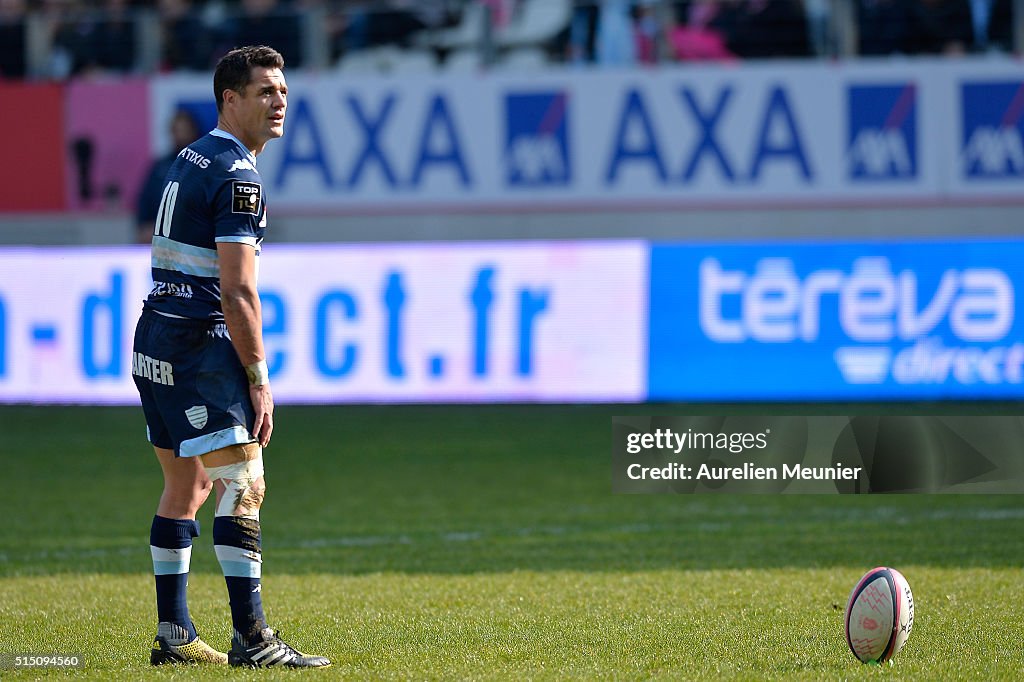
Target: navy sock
x,y
237,542
170,543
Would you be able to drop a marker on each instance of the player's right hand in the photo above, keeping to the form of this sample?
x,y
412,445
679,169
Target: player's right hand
x,y
263,405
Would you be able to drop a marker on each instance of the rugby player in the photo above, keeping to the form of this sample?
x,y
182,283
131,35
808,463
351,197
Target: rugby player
x,y
200,367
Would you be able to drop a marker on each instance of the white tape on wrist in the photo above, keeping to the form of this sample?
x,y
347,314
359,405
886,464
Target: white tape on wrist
x,y
258,373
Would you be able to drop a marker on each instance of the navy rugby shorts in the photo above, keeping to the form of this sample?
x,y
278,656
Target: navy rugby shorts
x,y
194,391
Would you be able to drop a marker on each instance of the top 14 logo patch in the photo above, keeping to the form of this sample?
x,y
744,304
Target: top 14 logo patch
x,y
245,197
882,140
993,129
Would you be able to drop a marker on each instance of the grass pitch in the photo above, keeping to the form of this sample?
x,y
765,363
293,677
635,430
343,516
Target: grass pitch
x,y
482,542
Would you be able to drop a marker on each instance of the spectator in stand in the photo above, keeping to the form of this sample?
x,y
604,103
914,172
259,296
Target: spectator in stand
x,y
992,21
615,43
346,26
942,27
360,25
12,39
87,40
770,28
614,32
70,37
700,30
184,130
582,34
933,26
646,30
114,38
187,41
431,14
885,27
501,11
268,22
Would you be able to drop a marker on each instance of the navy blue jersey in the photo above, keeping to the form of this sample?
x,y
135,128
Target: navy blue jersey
x,y
212,194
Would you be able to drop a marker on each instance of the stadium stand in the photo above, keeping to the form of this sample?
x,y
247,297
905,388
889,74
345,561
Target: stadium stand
x,y
77,41
59,39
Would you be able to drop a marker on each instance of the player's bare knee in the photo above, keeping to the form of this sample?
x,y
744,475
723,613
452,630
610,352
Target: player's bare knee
x,y
185,498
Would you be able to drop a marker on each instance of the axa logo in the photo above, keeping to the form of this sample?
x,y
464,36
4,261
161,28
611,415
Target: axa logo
x,y
993,130
537,140
882,136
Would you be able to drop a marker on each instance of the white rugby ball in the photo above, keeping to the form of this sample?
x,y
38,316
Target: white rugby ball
x,y
879,615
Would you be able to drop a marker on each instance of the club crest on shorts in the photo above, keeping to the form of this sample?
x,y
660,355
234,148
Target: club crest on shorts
x,y
197,416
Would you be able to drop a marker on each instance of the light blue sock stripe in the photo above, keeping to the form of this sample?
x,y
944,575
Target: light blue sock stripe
x,y
170,567
240,569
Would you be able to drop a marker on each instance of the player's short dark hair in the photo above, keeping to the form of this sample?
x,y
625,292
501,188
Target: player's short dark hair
x,y
234,70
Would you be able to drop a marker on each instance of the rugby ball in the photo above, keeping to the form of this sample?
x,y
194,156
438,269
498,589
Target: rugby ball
x,y
879,615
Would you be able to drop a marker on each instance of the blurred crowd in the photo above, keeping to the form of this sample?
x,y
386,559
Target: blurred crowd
x,y
57,39
935,26
86,36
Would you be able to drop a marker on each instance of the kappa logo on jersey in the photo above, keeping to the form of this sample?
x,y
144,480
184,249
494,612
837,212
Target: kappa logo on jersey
x,y
537,140
242,164
245,197
882,132
993,120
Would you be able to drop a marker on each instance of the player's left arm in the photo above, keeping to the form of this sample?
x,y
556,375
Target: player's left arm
x,y
243,315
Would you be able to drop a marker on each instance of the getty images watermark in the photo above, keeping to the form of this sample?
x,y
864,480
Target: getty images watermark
x,y
716,469
783,454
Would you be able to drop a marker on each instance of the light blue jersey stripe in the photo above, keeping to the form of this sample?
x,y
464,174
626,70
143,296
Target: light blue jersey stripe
x,y
235,435
185,258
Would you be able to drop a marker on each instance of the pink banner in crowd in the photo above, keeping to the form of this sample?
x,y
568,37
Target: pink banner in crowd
x,y
108,143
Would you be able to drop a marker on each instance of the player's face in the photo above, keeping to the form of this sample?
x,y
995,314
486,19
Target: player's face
x,y
262,107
